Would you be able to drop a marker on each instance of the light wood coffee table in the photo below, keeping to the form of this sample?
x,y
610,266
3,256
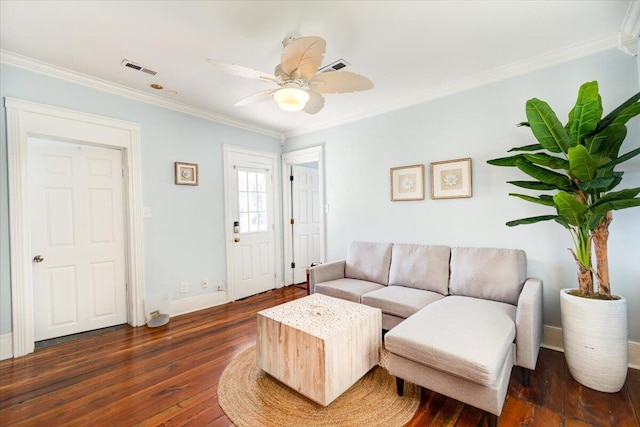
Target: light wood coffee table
x,y
319,345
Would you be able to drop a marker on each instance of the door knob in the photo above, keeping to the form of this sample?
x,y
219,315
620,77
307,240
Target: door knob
x,y
236,239
38,258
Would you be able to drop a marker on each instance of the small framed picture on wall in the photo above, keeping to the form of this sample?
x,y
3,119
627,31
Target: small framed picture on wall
x,y
186,173
407,183
451,179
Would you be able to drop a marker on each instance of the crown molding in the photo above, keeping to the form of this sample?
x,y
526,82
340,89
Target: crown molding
x,y
30,64
539,62
630,30
556,57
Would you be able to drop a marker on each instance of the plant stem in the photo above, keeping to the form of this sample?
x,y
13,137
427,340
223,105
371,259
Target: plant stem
x,y
600,238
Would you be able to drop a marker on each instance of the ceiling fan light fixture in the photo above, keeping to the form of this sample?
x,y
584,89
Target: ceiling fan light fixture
x,y
291,98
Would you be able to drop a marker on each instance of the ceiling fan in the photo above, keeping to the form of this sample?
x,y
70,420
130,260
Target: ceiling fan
x,y
300,84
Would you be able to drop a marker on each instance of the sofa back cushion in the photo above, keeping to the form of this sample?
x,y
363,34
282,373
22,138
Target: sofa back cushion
x,y
421,267
488,273
368,261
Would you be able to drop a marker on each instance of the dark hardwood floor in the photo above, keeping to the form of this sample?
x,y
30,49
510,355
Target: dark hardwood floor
x,y
169,376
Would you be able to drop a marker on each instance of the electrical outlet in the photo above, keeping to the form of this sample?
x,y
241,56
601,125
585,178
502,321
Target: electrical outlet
x,y
184,287
204,282
221,286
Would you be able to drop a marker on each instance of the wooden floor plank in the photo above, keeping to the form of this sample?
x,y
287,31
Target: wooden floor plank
x,y
169,376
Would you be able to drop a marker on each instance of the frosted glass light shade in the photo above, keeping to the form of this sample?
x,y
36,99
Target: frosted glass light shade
x,y
291,98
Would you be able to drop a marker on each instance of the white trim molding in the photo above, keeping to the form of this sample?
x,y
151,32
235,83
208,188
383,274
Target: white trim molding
x,y
198,302
6,346
13,59
26,119
630,30
552,339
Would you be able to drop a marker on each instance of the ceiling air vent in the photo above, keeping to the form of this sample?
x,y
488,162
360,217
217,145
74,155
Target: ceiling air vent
x,y
340,64
137,67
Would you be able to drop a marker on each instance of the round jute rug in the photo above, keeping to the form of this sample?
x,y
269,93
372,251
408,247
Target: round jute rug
x,y
251,398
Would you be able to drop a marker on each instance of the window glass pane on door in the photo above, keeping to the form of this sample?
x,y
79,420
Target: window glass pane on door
x,y
252,201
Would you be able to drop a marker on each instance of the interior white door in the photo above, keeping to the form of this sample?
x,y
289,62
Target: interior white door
x,y
254,242
305,203
77,238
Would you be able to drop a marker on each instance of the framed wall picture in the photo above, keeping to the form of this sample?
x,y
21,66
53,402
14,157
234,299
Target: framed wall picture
x,y
186,173
407,183
451,179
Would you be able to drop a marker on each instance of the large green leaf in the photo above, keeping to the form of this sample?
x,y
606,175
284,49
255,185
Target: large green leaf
x,y
546,127
594,220
534,185
569,208
542,200
586,117
627,114
597,184
605,145
506,161
631,154
531,220
544,159
532,147
619,111
581,164
544,175
628,193
614,205
588,91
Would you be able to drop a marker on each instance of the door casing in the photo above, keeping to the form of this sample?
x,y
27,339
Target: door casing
x,y
28,119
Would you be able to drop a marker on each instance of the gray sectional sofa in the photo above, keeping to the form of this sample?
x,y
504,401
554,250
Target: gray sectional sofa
x,y
458,319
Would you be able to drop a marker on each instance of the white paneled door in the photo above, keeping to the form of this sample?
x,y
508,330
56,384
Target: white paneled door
x,y
305,204
77,234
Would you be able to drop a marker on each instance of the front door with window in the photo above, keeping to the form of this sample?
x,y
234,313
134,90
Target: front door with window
x,y
251,206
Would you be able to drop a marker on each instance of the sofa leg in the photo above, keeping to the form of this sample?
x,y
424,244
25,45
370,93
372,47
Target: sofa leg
x,y
526,377
492,420
400,386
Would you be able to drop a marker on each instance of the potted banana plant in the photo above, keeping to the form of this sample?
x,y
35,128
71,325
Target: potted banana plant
x,y
575,167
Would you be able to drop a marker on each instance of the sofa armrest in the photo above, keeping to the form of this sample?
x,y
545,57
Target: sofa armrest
x,y
325,272
529,324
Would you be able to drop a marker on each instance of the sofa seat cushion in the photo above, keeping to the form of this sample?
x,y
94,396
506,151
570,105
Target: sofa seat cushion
x,y
348,289
462,336
400,301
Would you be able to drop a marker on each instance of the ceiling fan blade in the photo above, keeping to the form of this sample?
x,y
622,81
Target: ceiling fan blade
x,y
315,102
339,82
239,70
302,57
263,95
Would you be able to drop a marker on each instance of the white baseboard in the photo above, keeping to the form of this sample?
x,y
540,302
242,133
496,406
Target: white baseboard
x,y
6,346
552,339
198,302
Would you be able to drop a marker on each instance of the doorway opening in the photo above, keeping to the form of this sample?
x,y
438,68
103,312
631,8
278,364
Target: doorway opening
x,y
304,208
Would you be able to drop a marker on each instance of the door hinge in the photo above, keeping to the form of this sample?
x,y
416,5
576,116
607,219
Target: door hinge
x,y
291,221
290,177
293,265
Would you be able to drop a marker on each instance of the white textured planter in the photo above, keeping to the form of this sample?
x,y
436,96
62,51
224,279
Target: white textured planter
x,y
595,340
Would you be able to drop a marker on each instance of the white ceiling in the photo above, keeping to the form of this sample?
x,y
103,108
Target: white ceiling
x,y
412,51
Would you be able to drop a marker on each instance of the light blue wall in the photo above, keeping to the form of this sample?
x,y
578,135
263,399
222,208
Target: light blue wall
x,y
480,124
184,238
